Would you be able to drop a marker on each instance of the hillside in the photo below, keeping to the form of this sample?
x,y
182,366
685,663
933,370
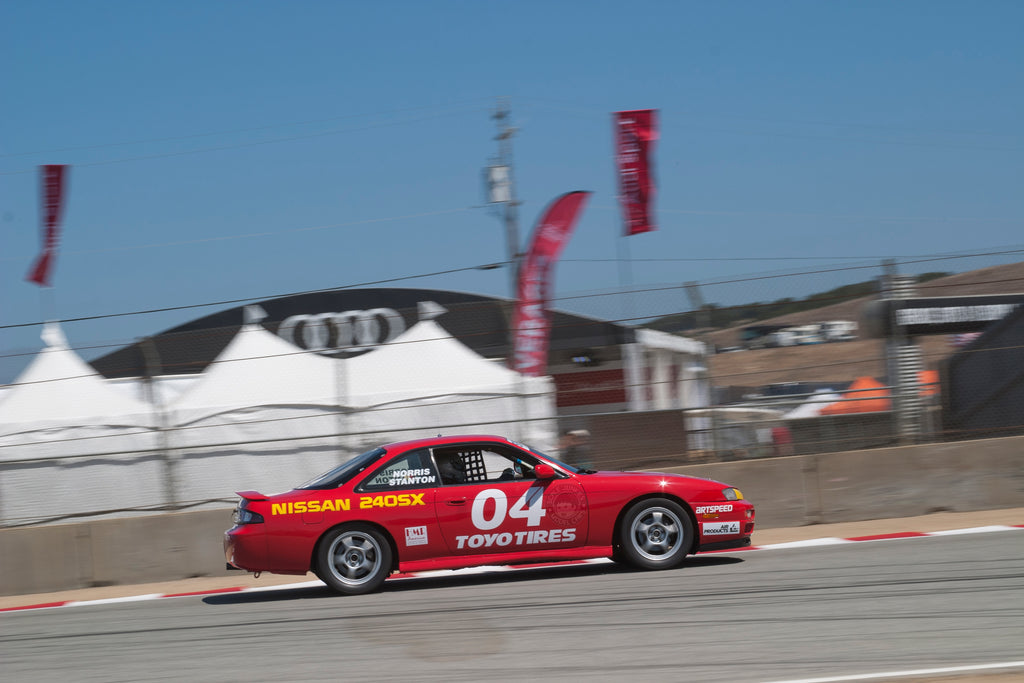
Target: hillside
x,y
845,361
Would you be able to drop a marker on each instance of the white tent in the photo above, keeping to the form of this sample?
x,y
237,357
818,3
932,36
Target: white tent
x,y
258,368
59,407
59,389
425,381
264,415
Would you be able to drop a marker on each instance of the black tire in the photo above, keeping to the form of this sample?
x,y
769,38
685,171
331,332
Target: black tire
x,y
656,534
353,559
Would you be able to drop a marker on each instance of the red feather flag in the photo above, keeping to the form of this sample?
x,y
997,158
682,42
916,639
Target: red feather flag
x,y
635,133
531,323
54,178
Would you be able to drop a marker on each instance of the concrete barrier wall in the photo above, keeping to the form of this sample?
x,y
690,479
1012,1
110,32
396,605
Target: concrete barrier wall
x,y
112,552
793,491
876,484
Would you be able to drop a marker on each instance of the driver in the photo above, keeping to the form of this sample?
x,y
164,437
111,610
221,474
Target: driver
x,y
451,468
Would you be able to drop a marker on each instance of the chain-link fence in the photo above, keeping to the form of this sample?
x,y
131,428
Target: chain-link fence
x,y
784,375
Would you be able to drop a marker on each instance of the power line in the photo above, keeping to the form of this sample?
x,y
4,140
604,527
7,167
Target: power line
x,y
236,131
242,145
224,238
226,302
594,111
489,266
830,216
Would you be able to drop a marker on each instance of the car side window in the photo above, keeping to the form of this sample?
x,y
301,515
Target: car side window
x,y
481,463
412,470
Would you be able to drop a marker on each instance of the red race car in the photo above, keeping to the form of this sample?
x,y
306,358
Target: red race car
x,y
465,501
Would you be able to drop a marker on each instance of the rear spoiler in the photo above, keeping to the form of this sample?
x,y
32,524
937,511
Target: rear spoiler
x,y
251,495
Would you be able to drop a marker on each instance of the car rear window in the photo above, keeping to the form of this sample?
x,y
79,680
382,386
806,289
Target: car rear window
x,y
345,471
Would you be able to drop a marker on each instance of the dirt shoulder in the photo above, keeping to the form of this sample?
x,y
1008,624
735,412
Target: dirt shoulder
x,y
941,521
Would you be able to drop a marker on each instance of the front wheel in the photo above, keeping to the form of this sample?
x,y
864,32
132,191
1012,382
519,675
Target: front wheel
x,y
354,559
656,534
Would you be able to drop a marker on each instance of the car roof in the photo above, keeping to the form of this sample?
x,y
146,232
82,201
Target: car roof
x,y
444,441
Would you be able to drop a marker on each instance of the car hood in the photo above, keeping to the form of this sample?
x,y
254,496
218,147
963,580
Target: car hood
x,y
658,476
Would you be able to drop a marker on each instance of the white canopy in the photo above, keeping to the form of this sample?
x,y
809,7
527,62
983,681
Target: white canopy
x,y
264,415
425,381
61,408
59,389
425,361
258,368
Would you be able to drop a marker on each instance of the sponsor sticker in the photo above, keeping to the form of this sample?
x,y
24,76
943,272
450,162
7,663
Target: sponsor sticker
x,y
712,509
301,506
400,500
569,505
415,535
540,536
719,528
407,477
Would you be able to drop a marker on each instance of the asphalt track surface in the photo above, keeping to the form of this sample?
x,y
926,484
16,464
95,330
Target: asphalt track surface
x,y
786,614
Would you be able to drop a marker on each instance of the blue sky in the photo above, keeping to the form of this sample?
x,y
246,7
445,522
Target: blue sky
x,y
232,150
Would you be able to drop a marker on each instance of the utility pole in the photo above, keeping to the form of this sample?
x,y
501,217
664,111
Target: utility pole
x,y
502,190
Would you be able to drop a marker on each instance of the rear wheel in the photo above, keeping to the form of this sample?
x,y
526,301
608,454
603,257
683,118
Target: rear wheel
x,y
656,534
354,559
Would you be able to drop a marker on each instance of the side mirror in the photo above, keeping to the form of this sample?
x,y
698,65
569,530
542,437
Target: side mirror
x,y
544,471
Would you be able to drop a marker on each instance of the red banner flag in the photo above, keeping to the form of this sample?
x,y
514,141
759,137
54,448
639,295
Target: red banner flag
x,y
531,323
53,178
635,133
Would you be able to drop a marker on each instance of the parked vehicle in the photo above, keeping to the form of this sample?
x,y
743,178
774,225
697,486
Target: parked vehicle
x,y
839,330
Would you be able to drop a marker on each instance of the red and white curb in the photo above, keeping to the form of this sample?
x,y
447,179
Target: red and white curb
x,y
487,570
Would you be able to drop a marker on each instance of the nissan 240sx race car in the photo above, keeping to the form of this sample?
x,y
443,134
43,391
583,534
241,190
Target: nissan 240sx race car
x,y
465,501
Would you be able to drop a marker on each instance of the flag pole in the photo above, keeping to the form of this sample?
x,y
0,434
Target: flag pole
x,y
625,260
48,303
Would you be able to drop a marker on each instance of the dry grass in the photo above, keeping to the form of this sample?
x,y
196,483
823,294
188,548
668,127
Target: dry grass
x,y
846,361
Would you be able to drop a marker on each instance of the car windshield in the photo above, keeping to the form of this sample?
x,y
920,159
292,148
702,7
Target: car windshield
x,y
564,465
343,472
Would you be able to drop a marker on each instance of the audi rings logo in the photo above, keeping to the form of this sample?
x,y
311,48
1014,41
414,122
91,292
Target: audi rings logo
x,y
336,332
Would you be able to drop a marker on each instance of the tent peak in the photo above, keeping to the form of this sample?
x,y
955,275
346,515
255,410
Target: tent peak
x,y
53,336
253,314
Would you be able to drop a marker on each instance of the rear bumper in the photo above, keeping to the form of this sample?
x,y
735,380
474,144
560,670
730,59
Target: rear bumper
x,y
245,547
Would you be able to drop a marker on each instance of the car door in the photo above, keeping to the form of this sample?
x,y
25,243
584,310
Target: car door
x,y
399,495
490,502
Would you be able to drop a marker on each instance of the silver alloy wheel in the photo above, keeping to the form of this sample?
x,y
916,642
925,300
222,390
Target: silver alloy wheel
x,y
355,558
656,533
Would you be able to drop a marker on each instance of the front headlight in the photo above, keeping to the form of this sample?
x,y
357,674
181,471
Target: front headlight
x,y
732,494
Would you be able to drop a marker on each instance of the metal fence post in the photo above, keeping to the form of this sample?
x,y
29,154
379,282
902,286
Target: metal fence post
x,y
903,361
152,365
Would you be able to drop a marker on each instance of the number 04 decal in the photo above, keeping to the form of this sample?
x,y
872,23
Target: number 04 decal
x,y
530,507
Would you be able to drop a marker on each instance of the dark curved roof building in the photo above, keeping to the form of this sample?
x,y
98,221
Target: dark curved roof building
x,y
589,359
